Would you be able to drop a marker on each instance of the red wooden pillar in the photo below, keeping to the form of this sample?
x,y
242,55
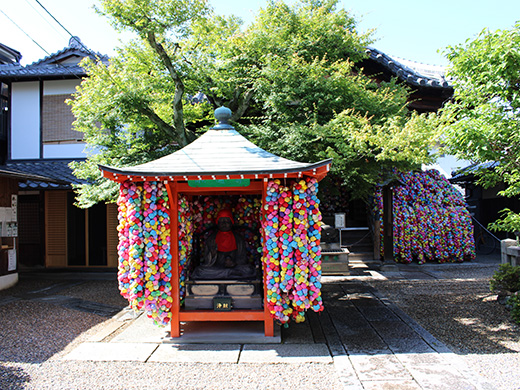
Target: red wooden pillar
x,y
174,250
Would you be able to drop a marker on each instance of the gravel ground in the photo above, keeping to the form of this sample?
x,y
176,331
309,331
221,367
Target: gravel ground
x,y
459,310
34,335
132,375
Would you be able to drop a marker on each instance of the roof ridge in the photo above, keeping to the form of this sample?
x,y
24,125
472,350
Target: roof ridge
x,y
75,45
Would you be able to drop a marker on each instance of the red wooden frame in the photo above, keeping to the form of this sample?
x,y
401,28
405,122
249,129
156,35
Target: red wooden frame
x,y
178,314
319,173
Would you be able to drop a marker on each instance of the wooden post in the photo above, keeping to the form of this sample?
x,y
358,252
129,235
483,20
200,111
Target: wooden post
x,y
173,196
388,218
388,228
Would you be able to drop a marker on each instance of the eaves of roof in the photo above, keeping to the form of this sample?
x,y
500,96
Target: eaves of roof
x,y
413,73
18,72
9,55
13,174
469,173
53,66
46,173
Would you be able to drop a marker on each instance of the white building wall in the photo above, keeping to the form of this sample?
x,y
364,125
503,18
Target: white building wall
x,y
64,151
60,87
25,120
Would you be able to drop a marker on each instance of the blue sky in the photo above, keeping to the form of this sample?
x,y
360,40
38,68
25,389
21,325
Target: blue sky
x,y
414,30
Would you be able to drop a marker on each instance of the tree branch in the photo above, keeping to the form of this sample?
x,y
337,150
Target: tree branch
x,y
178,113
243,104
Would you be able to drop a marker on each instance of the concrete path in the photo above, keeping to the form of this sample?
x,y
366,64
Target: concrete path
x,y
371,342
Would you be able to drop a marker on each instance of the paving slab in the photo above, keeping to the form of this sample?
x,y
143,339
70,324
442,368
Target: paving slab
x,y
422,359
298,333
346,373
391,385
105,352
144,330
380,367
196,353
441,376
285,353
106,331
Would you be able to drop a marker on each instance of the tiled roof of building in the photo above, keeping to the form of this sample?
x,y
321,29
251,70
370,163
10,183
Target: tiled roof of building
x,y
9,55
28,72
62,64
468,173
13,174
54,174
411,72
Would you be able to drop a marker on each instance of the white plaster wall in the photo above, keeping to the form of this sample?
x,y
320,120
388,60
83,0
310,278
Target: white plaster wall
x,y
60,87
25,120
64,151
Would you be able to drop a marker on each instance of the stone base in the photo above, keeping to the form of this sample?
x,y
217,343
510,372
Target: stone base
x,y
8,280
335,262
243,294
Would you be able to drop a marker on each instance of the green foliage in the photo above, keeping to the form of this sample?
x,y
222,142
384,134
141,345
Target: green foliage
x,y
510,222
363,148
506,279
289,78
514,301
482,123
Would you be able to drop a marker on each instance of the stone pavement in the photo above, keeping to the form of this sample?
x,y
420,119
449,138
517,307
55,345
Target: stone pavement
x,y
371,342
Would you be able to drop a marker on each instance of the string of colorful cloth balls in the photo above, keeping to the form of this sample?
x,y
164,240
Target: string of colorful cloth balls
x,y
288,238
431,223
430,219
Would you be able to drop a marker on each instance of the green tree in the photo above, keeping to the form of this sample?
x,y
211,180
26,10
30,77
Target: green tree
x,y
290,79
482,123
134,110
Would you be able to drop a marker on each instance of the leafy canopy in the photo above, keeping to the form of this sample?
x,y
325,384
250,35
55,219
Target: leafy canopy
x,y
290,79
483,122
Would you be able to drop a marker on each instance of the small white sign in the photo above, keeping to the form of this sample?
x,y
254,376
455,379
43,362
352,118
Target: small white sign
x,y
339,220
11,260
14,207
8,214
14,229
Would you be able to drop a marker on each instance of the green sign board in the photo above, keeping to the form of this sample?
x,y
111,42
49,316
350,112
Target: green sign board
x,y
219,183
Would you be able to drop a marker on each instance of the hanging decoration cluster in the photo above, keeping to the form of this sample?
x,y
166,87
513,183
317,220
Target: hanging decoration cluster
x,y
185,234
144,249
431,222
289,235
292,255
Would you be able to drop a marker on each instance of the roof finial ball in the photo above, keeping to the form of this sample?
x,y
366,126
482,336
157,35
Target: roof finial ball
x,y
223,115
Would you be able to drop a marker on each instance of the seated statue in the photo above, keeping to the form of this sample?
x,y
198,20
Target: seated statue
x,y
224,253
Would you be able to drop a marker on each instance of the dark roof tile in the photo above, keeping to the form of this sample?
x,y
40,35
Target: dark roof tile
x,y
55,174
413,73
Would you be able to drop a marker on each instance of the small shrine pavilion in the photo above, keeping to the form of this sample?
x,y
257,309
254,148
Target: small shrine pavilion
x,y
166,203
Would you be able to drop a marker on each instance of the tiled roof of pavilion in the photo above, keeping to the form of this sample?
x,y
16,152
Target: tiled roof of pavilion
x,y
221,151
